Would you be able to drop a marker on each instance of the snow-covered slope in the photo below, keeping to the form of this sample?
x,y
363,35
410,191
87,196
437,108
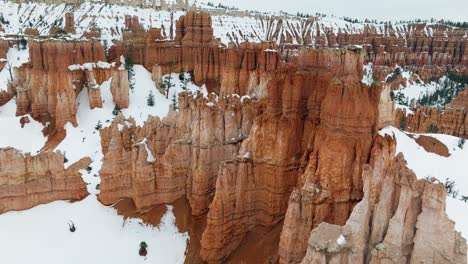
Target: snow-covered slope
x,y
228,26
429,165
41,235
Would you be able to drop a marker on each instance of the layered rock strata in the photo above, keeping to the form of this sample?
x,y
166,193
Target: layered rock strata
x,y
434,120
399,220
47,88
26,180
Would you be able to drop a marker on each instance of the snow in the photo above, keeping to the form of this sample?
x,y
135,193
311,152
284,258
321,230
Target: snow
x,y
248,155
229,26
15,58
85,141
91,65
28,139
407,109
341,240
426,164
368,74
42,235
149,158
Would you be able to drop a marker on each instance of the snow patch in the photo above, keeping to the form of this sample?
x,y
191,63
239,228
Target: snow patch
x,y
101,236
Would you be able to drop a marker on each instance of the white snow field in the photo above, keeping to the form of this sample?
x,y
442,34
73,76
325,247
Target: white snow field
x,y
426,164
42,235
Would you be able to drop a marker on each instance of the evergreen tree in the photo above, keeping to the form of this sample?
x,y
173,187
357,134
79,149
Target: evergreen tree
x,y
174,103
403,123
129,67
150,99
143,249
98,125
461,143
171,65
23,43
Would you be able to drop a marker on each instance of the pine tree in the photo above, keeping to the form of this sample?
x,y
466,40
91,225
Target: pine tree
x,y
171,65
143,249
150,99
106,47
129,67
461,143
174,103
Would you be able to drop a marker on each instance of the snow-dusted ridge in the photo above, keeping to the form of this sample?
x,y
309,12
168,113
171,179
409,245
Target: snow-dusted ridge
x,y
229,26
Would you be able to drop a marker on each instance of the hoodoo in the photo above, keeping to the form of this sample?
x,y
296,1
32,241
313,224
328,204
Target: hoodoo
x,y
266,139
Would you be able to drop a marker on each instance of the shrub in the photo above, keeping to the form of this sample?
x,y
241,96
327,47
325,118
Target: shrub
x,y
403,123
461,143
433,129
150,99
116,111
143,246
98,125
71,227
450,188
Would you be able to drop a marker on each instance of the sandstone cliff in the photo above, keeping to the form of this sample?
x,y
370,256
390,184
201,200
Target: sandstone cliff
x,y
425,119
26,181
393,223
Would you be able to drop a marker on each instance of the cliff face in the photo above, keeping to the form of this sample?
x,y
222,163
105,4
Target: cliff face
x,y
394,221
241,160
291,137
180,155
423,120
47,88
26,181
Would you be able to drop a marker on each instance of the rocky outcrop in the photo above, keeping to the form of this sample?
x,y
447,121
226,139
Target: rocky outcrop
x,y
26,181
434,120
325,131
70,23
47,88
393,223
120,88
180,155
461,101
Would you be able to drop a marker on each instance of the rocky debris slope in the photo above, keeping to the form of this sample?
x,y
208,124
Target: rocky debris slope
x,y
399,220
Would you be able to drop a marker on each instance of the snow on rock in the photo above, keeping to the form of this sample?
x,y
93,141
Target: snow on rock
x,y
407,109
91,65
27,139
85,140
15,58
341,240
149,158
368,74
42,235
428,165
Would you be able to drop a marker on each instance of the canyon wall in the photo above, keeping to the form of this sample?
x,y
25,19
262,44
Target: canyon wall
x,y
393,223
47,88
434,120
26,180
292,136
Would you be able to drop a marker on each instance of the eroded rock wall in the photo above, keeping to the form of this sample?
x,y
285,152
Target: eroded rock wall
x,y
399,220
26,180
